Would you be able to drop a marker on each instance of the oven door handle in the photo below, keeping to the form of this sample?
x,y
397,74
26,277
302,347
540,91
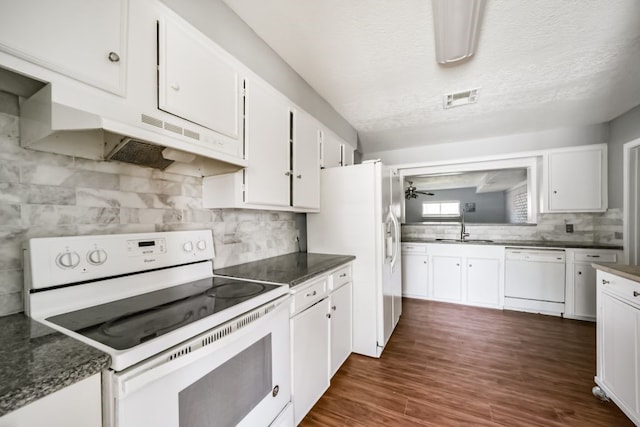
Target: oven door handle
x,y
169,362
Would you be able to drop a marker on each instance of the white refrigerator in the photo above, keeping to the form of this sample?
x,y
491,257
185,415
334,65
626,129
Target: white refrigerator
x,y
359,210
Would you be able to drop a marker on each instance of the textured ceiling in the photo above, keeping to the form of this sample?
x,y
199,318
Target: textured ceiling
x,y
483,181
541,64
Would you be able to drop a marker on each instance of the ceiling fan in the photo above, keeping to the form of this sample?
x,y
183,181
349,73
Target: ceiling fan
x,y
412,193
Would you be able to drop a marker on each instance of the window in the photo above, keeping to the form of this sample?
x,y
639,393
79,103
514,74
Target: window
x,y
441,209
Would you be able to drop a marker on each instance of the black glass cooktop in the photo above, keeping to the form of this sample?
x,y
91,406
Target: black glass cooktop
x,y
128,322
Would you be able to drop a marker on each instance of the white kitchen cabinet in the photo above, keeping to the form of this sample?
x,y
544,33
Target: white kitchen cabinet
x,y
462,273
348,153
446,278
310,357
483,281
415,270
341,327
305,161
78,405
268,176
618,338
580,302
283,148
196,83
82,39
332,150
575,179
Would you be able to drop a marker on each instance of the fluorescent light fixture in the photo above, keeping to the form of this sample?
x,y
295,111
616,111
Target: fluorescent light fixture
x,y
456,24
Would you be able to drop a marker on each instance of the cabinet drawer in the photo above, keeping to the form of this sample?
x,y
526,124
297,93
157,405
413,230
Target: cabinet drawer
x,y
596,257
307,294
340,277
624,288
414,248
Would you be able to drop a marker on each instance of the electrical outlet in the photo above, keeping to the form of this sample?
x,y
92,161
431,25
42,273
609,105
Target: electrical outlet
x,y
569,228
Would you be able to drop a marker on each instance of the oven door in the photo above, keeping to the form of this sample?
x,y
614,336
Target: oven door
x,y
235,374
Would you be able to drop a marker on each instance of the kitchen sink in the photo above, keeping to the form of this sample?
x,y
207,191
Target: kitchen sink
x,y
465,240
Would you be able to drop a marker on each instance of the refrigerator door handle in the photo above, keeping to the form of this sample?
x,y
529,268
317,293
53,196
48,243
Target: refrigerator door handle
x,y
396,245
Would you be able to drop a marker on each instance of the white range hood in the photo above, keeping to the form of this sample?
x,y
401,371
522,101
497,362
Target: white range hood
x,y
47,125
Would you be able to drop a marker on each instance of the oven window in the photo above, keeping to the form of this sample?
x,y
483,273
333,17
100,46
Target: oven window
x,y
227,394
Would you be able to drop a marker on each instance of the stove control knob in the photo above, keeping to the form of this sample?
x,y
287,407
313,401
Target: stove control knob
x,y
97,257
188,246
202,245
68,259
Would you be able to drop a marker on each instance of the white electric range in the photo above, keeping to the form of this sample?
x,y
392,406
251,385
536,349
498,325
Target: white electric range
x,y
187,349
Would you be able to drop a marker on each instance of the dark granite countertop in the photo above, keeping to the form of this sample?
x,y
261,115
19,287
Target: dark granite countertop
x,y
291,269
522,243
36,360
631,272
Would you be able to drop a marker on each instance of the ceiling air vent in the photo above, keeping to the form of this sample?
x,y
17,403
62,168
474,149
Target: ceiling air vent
x,y
460,98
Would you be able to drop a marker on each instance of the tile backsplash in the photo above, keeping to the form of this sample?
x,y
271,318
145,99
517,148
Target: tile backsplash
x,y
588,227
44,195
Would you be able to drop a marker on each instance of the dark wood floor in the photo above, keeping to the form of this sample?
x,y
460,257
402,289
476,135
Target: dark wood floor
x,y
452,365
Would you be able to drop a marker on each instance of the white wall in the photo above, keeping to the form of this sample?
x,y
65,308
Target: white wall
x,y
223,26
592,134
624,129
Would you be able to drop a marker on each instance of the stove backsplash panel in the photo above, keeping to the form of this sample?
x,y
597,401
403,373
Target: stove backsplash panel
x,y
45,195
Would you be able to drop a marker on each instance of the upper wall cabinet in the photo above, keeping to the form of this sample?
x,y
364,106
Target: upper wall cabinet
x,y
82,39
195,83
335,152
575,179
282,146
305,161
267,143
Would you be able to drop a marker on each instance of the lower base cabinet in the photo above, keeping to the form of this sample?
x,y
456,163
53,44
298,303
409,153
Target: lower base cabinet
x,y
78,405
341,327
618,341
321,336
310,357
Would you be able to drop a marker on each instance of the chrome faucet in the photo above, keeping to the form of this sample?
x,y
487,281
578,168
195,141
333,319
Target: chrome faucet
x,y
463,232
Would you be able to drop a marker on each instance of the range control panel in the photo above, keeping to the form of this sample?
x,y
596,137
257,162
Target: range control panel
x,y
56,261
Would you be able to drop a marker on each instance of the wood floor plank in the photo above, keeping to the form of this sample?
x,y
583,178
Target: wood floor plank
x,y
453,365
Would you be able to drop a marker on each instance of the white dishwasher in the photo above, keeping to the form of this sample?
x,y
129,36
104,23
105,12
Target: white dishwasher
x,y
535,280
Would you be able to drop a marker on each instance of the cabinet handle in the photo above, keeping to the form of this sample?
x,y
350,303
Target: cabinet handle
x,y
288,173
175,86
579,273
343,275
328,315
470,265
424,262
333,308
299,176
605,282
114,57
593,256
312,294
555,192
636,293
457,264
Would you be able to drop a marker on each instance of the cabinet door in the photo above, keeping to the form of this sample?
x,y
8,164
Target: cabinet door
x,y
196,82
83,39
483,281
341,320
310,357
584,292
447,278
415,270
306,161
77,405
268,177
576,180
619,323
347,156
331,150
